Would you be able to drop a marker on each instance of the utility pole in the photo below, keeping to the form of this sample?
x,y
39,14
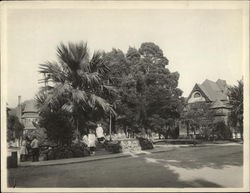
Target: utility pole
x,y
110,126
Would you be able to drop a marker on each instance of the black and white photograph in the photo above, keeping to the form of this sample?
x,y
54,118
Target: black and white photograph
x,y
135,96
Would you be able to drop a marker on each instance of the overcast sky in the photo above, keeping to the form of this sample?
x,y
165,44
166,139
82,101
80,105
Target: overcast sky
x,y
199,44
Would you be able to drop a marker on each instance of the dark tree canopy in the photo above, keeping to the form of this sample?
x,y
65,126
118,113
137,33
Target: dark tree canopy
x,y
236,101
199,116
147,89
136,87
79,84
14,128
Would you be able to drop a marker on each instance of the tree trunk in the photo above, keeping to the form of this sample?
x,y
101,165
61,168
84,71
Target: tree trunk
x,y
166,134
110,126
241,133
241,128
187,124
126,131
77,131
213,134
114,128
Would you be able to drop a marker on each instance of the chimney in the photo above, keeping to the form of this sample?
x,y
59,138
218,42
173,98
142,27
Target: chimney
x,y
19,100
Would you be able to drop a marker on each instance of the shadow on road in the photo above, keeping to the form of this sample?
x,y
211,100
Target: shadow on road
x,y
213,159
189,167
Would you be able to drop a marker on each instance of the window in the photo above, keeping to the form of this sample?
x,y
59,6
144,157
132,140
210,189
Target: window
x,y
197,95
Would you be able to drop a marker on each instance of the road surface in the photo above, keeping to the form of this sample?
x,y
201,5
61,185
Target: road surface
x,y
210,166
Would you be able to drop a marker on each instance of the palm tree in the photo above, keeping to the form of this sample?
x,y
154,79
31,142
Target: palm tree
x,y
236,101
78,82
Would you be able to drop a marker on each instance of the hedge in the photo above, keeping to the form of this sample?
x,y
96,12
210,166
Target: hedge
x,y
65,152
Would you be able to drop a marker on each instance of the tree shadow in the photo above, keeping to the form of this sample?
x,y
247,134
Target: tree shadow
x,y
167,178
196,183
202,183
197,162
175,180
151,170
215,163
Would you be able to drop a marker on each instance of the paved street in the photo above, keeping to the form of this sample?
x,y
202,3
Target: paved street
x,y
210,166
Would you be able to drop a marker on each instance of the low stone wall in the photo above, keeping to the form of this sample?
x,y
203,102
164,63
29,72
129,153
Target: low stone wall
x,y
130,145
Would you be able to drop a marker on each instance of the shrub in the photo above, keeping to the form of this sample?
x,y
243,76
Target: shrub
x,y
50,155
145,143
222,130
58,127
65,152
113,146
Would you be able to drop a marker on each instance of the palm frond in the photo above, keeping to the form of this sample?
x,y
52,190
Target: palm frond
x,y
79,96
89,78
98,101
47,88
97,64
53,72
79,51
73,55
68,107
53,99
108,89
40,99
76,81
236,97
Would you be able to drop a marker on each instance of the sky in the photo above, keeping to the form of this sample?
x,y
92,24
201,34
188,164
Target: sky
x,y
199,44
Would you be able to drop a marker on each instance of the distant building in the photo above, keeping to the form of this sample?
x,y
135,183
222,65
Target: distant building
x,y
27,114
215,94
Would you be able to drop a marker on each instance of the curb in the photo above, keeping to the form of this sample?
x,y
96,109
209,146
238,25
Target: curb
x,y
111,156
86,159
97,158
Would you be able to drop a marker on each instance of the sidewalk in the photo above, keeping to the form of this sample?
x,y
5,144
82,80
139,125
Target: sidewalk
x,y
102,155
96,157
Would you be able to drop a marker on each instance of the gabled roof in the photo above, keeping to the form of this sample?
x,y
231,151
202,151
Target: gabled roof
x,y
29,110
30,115
220,104
198,87
12,111
222,84
30,107
214,90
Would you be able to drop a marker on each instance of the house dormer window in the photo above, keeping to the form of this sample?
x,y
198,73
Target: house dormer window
x,y
197,95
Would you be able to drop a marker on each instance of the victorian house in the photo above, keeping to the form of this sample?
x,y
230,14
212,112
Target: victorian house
x,y
215,94
27,113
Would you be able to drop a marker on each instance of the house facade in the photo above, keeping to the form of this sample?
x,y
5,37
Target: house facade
x,y
215,95
29,115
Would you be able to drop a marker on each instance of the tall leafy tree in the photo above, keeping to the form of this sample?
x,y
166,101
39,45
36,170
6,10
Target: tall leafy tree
x,y
160,96
78,83
148,90
199,118
236,101
14,128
